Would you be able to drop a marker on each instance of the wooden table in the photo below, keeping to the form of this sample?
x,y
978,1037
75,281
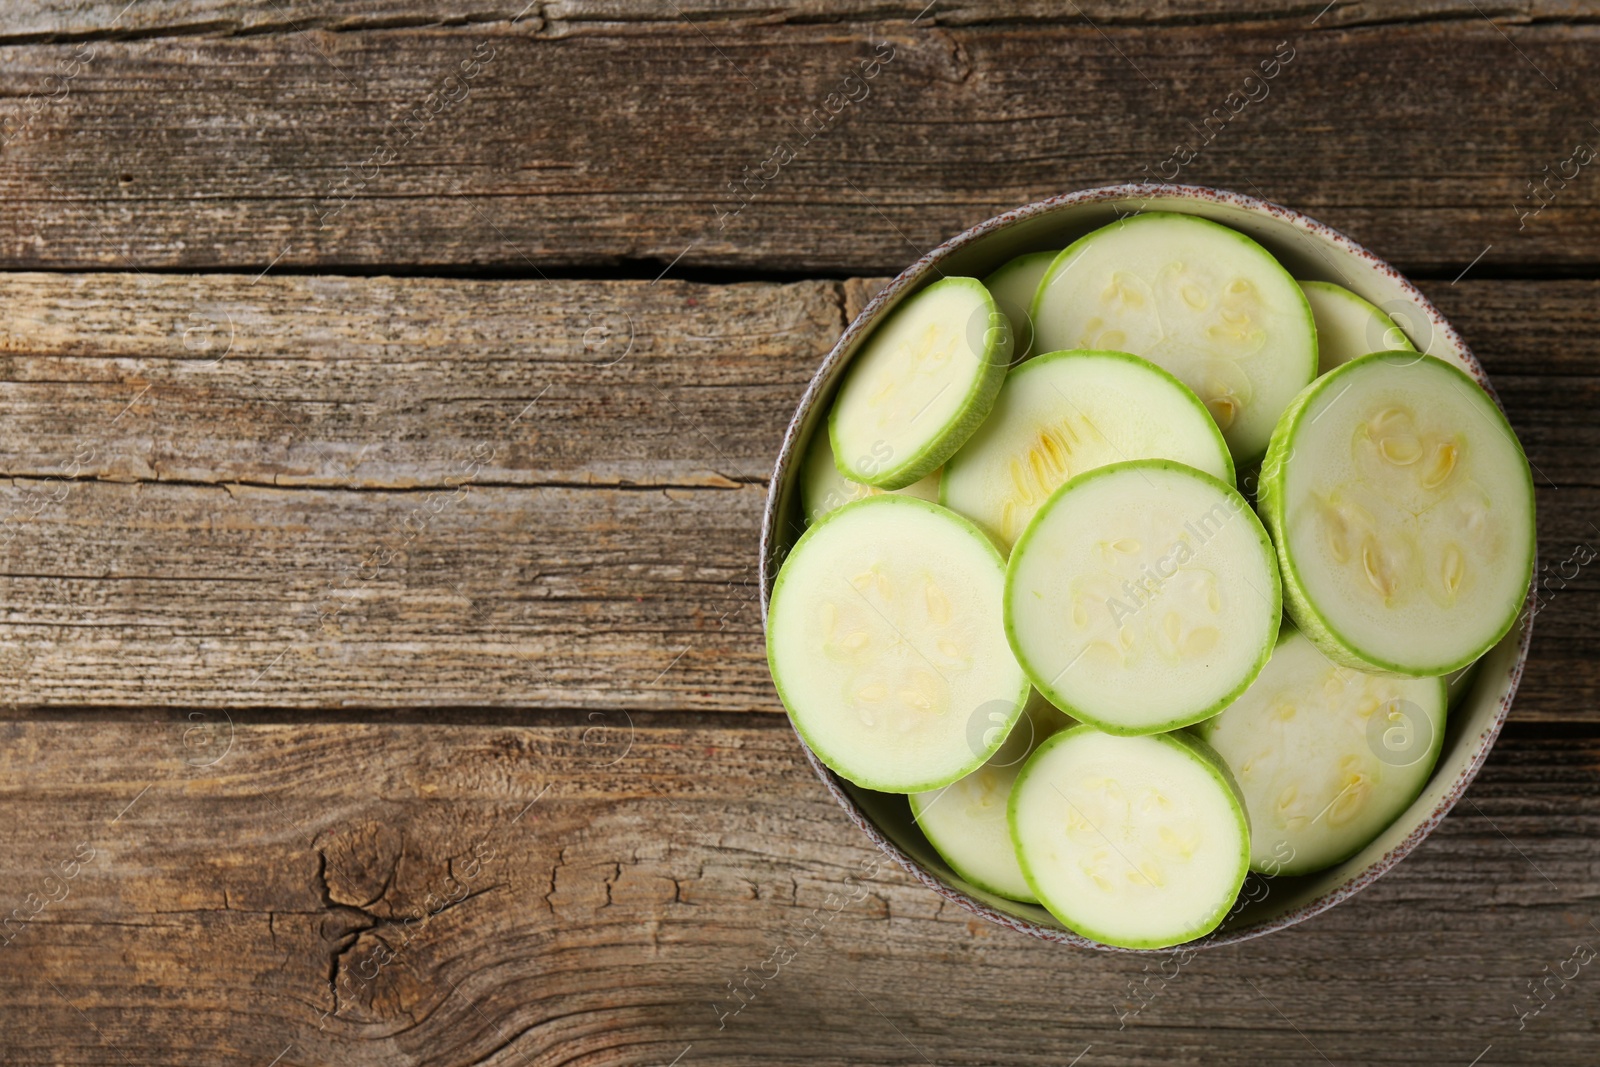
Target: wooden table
x,y
390,391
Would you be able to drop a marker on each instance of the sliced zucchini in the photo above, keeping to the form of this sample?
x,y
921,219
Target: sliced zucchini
x,y
921,384
1326,756
1205,302
1402,509
1012,287
884,638
966,820
823,488
1143,597
1348,326
1064,413
1140,842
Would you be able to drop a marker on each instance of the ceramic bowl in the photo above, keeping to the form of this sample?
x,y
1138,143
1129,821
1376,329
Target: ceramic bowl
x,y
1310,251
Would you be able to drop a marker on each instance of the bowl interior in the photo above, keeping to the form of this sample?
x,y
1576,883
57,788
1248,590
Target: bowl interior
x,y
1310,251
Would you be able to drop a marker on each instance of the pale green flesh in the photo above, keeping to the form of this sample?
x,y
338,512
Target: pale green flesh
x,y
1064,413
885,641
1326,756
966,820
1402,509
1143,597
1013,286
1349,327
824,489
1139,842
1201,300
920,385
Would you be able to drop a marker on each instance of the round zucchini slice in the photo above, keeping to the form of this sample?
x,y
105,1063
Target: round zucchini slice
x,y
823,488
965,821
1143,597
1193,296
1139,842
1402,508
920,385
1326,756
885,641
1012,287
1348,326
1064,413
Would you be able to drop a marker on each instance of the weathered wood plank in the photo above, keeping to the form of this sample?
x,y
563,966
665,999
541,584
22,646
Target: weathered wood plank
x,y
398,383
582,144
562,894
232,595
356,505
45,19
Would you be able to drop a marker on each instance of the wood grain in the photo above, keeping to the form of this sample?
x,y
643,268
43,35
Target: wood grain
x,y
320,492
232,595
54,19
325,493
372,611
585,895
392,383
583,144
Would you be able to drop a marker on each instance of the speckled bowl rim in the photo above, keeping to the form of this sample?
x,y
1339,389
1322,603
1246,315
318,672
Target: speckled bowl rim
x,y
908,279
